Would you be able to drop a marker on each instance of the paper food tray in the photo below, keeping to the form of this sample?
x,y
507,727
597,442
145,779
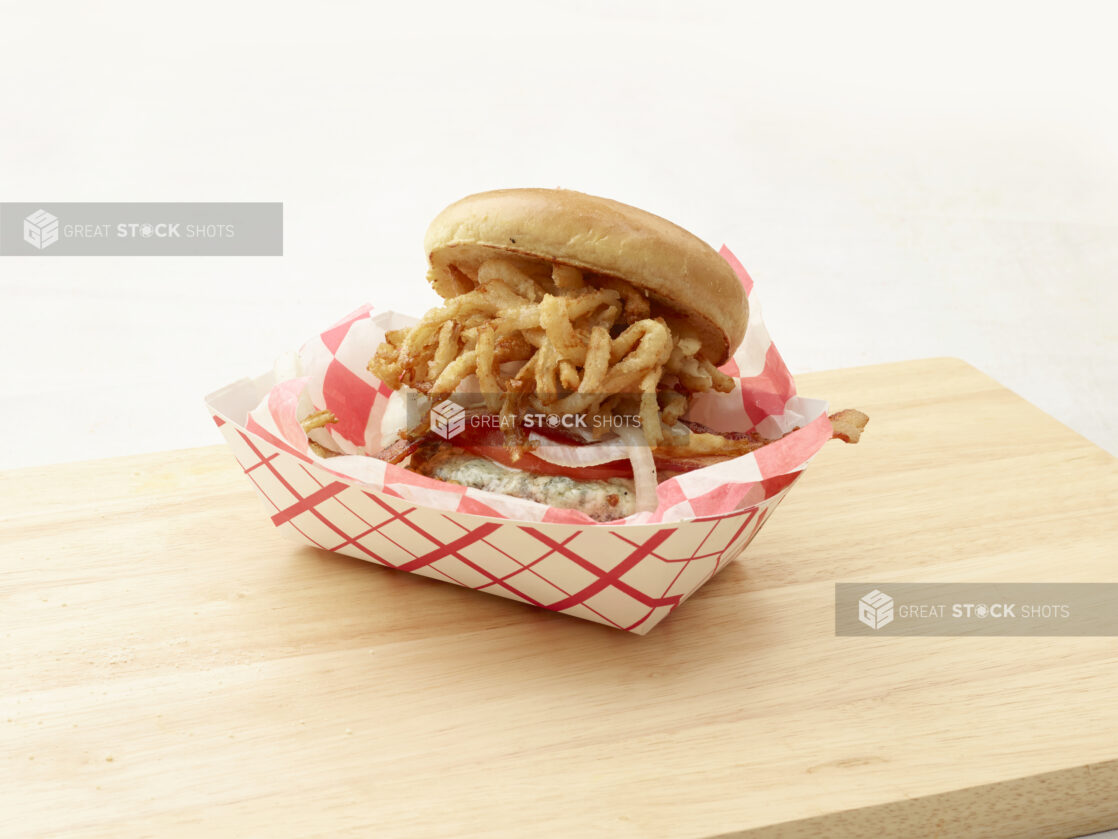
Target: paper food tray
x,y
629,574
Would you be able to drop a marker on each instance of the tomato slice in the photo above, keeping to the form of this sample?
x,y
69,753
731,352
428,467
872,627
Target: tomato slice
x,y
530,463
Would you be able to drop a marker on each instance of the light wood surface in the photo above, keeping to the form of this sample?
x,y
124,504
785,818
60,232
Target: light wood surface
x,y
173,667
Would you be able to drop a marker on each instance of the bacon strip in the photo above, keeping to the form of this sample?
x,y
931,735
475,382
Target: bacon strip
x,y
699,428
400,450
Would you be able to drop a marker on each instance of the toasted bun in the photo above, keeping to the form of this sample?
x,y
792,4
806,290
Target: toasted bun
x,y
673,267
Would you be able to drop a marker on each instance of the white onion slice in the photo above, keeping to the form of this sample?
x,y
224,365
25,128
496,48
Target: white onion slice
x,y
561,454
644,467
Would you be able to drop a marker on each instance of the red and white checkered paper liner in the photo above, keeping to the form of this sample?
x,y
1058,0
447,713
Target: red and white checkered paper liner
x,y
628,573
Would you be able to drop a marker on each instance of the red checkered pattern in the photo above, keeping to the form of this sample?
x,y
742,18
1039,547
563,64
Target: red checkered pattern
x,y
629,573
626,576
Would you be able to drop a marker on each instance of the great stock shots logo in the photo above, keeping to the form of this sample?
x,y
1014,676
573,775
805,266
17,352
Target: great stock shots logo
x,y
875,610
974,609
448,419
40,229
58,229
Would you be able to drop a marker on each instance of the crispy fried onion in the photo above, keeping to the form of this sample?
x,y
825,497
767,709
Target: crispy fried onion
x,y
317,420
579,347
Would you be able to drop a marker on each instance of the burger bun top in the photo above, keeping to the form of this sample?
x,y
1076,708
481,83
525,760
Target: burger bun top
x,y
673,267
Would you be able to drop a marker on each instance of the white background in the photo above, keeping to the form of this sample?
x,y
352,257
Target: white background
x,y
902,181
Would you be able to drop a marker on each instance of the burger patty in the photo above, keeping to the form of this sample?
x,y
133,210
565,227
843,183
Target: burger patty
x,y
603,500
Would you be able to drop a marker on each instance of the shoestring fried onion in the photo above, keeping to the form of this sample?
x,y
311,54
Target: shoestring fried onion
x,y
596,346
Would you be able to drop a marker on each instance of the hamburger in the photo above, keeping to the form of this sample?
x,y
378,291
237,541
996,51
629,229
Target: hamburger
x,y
574,334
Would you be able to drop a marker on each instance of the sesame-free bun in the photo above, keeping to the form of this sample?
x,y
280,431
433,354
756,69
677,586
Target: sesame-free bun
x,y
672,267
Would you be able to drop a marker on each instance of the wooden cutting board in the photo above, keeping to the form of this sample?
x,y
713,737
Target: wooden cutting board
x,y
173,667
